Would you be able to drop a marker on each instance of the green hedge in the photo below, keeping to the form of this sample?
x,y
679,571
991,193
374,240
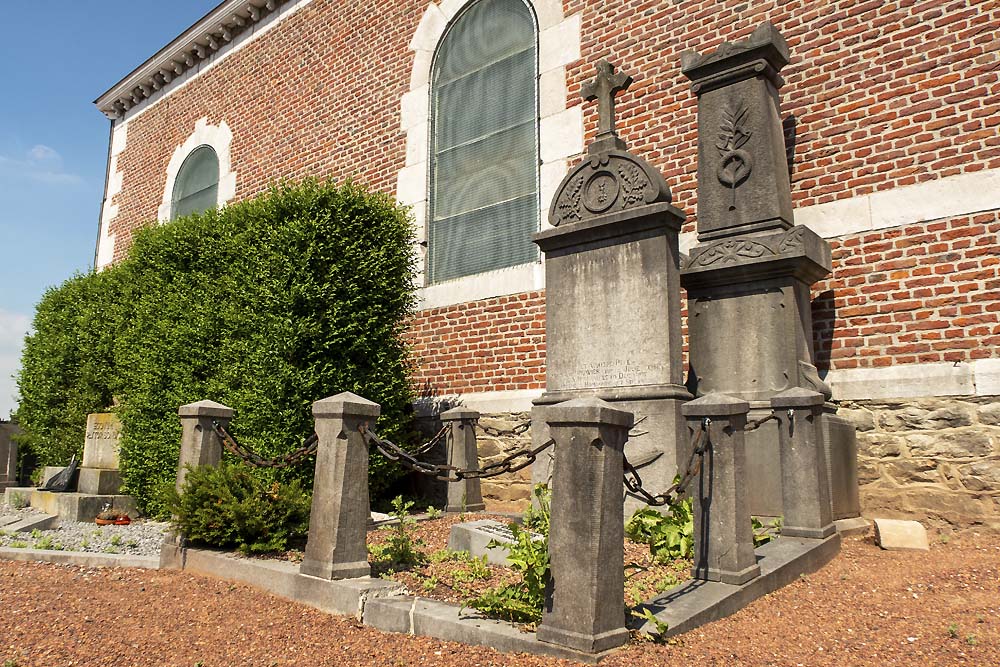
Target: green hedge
x,y
267,306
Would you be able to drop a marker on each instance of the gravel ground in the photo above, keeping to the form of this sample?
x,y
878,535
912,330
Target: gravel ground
x,y
866,608
140,538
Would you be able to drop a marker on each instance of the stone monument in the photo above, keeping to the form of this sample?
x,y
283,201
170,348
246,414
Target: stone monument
x,y
613,295
99,474
8,455
748,279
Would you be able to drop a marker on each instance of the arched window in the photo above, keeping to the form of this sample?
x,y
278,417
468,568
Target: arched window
x,y
196,188
483,203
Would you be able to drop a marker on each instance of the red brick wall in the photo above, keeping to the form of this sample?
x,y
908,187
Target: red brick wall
x,y
882,94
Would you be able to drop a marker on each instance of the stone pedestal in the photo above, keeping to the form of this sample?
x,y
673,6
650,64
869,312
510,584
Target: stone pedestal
x,y
584,606
752,269
805,487
338,522
612,319
465,495
200,446
99,473
8,455
723,536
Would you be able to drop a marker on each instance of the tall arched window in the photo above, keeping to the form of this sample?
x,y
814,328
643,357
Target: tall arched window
x,y
196,188
483,203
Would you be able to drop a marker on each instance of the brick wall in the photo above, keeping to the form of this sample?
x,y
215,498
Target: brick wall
x,y
879,95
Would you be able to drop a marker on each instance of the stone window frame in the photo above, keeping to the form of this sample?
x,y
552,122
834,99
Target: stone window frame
x,y
560,137
218,138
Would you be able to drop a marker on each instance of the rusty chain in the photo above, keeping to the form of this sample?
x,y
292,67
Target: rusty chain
x,y
633,482
754,424
233,446
450,473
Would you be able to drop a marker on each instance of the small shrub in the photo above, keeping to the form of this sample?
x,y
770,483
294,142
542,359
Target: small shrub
x,y
227,506
433,512
520,602
669,536
401,549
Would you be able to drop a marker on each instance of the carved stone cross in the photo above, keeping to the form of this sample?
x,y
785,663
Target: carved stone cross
x,y
603,88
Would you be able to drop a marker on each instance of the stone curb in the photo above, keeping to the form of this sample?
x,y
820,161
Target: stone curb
x,y
28,524
81,558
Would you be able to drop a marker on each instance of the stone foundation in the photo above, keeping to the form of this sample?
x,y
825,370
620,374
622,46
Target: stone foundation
x,y
934,460
499,435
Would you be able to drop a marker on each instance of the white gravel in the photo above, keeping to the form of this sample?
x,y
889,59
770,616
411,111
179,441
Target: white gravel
x,y
140,538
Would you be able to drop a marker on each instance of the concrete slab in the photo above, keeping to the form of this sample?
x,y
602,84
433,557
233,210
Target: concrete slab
x,y
900,535
79,558
473,536
17,495
33,522
430,618
340,596
82,507
695,603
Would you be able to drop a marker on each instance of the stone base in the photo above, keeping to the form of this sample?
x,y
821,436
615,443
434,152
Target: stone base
x,y
51,471
582,641
694,603
320,570
727,576
852,527
811,533
81,507
460,509
99,481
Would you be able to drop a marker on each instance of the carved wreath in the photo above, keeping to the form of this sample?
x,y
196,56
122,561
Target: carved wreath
x,y
736,163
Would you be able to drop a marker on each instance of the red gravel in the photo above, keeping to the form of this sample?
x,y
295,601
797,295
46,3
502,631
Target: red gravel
x,y
867,607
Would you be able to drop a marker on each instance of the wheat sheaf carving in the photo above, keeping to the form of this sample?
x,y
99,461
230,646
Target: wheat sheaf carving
x,y
736,163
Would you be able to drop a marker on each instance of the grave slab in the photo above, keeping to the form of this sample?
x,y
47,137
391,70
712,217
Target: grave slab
x,y
694,603
473,537
899,535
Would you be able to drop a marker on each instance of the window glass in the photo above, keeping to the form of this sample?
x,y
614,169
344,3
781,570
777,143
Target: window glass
x,y
196,188
483,204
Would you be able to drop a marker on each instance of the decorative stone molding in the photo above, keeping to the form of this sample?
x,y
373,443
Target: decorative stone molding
x,y
560,133
219,137
106,240
217,35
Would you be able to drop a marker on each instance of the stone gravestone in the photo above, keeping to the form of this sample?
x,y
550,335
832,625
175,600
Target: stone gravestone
x,y
475,536
613,296
8,455
748,279
99,473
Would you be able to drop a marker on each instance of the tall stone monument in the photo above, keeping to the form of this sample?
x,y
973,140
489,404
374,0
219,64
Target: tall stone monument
x,y
613,295
748,279
99,473
8,454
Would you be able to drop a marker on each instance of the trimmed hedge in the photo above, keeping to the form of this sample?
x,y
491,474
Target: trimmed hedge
x,y
266,305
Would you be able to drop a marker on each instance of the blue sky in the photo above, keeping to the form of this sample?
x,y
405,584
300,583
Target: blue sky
x,y
58,56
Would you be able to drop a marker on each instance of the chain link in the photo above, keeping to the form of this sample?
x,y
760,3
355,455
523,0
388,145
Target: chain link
x,y
633,482
513,462
754,424
233,446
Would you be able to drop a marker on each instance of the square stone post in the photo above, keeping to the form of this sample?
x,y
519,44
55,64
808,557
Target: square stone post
x,y
200,446
463,452
338,523
805,488
584,601
723,536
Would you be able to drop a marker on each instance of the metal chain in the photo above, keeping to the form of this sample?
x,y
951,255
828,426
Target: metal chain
x,y
233,446
633,482
450,473
754,424
430,444
516,430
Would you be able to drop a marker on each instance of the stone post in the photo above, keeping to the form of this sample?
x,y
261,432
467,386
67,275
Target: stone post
x,y
723,536
466,495
200,446
338,523
584,601
805,488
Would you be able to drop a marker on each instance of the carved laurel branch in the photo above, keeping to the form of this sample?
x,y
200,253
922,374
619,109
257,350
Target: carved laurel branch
x,y
730,250
569,200
734,128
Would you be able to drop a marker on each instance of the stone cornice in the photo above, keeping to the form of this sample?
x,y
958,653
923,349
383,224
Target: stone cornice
x,y
195,45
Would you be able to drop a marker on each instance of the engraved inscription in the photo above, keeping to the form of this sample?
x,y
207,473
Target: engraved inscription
x,y
615,373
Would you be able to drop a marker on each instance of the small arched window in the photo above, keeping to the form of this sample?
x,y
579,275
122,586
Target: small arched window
x,y
483,199
196,188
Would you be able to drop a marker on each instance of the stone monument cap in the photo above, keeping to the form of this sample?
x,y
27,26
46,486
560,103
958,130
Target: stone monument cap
x,y
764,44
715,405
205,409
346,403
588,410
797,397
458,413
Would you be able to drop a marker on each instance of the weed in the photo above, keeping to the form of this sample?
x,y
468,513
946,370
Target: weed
x,y
44,543
520,602
35,534
433,512
658,634
762,535
401,548
430,583
116,540
132,543
953,630
85,544
18,544
475,569
4,533
539,515
669,536
447,555
971,640
110,550
10,663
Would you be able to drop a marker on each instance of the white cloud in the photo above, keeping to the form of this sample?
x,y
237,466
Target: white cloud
x,y
40,163
13,327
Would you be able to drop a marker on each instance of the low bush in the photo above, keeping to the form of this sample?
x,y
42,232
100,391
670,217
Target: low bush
x,y
228,507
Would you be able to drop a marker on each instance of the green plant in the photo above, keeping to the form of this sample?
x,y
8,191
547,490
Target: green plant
x,y
473,569
430,583
433,512
520,602
266,305
18,544
670,536
116,540
446,555
539,515
227,506
110,550
401,548
35,534
659,627
953,630
971,640
17,500
762,535
10,663
43,542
